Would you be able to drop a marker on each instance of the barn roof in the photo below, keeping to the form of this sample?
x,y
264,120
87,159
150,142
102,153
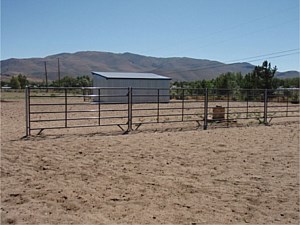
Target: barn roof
x,y
123,75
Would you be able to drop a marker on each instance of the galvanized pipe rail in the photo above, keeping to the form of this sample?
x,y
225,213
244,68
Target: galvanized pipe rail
x,y
129,108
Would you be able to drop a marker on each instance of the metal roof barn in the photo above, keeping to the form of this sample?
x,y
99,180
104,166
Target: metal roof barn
x,y
146,87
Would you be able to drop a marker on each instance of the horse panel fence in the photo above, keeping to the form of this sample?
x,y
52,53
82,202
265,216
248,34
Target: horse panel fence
x,y
57,108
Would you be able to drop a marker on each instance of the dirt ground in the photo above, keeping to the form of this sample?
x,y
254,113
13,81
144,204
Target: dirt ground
x,y
154,176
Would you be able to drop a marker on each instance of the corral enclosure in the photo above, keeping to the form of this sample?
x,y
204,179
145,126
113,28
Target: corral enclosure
x,y
75,107
91,175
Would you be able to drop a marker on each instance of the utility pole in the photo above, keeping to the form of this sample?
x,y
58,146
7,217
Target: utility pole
x,y
46,75
58,67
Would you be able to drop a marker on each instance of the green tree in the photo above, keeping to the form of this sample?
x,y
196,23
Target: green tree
x,y
276,83
239,80
251,81
15,83
228,81
23,81
4,83
84,81
67,81
264,74
291,82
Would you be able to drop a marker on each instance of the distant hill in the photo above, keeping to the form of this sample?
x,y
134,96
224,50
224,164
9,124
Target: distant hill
x,y
82,63
288,74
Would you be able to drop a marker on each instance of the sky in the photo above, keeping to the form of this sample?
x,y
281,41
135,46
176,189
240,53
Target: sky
x,y
228,31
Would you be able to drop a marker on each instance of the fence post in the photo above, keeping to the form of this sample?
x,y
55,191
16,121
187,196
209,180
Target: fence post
x,y
129,109
266,107
205,109
287,104
157,106
228,101
27,112
66,108
99,109
247,97
182,106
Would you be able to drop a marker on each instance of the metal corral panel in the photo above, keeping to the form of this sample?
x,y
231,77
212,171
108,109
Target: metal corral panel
x,y
145,87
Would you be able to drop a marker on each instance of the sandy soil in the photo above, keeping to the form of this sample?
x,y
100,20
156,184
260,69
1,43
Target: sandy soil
x,y
83,176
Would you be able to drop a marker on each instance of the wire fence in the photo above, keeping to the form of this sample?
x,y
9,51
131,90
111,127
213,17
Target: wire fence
x,y
129,108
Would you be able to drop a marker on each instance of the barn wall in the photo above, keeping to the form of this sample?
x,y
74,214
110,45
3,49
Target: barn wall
x,y
147,88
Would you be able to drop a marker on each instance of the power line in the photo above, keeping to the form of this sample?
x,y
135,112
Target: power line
x,y
234,27
274,53
247,34
217,64
273,57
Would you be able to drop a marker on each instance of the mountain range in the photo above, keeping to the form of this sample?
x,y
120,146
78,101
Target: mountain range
x,y
82,63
